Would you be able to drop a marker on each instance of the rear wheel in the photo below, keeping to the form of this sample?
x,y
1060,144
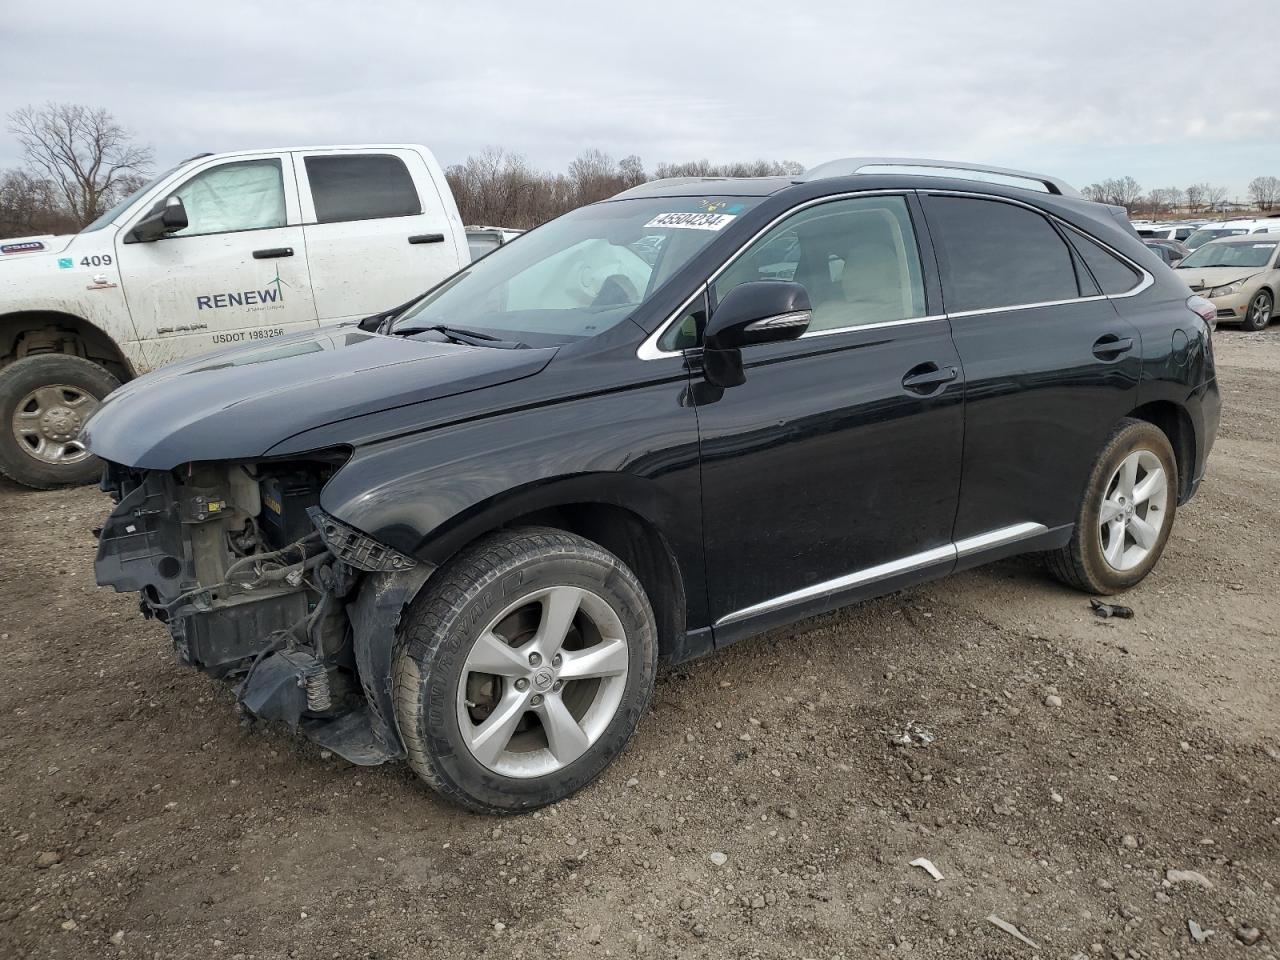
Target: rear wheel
x,y
44,402
1124,520
524,668
1259,313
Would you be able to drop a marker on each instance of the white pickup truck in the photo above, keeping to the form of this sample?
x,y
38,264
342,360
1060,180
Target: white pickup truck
x,y
221,249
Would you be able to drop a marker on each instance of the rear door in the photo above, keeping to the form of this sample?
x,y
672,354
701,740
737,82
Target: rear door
x,y
834,469
1050,366
377,231
236,274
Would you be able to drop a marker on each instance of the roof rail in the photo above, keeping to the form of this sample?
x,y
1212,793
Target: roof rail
x,y
850,165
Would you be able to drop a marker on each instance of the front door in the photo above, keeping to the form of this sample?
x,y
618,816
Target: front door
x,y
236,274
834,470
1050,365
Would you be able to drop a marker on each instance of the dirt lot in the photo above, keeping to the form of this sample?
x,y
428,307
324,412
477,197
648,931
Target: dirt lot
x,y
175,832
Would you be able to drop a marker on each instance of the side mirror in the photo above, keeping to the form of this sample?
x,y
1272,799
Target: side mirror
x,y
164,219
761,311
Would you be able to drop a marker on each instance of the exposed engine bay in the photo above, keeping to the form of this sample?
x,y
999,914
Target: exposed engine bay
x,y
259,586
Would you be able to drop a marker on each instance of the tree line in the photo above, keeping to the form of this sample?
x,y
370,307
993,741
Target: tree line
x,y
1198,198
500,188
79,161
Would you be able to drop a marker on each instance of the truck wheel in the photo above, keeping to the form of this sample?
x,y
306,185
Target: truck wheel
x,y
524,668
44,401
1126,515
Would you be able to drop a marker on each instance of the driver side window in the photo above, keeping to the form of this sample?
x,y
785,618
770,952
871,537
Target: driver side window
x,y
857,258
243,195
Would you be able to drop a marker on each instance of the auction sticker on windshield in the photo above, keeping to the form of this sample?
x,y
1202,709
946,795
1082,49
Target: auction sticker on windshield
x,y
692,221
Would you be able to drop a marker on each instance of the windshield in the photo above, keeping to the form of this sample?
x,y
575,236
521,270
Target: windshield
x,y
1230,255
1204,236
120,207
580,274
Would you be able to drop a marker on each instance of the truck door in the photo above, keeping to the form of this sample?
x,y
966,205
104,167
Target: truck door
x,y
235,274
377,230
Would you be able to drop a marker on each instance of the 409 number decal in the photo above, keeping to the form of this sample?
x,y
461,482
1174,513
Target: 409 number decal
x,y
97,260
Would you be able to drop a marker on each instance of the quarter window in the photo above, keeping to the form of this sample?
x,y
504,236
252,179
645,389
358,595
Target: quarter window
x,y
1112,273
999,255
244,195
361,187
857,259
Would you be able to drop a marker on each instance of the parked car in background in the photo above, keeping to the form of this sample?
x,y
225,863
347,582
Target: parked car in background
x,y
1232,228
1165,231
220,249
465,535
485,240
1240,275
1170,251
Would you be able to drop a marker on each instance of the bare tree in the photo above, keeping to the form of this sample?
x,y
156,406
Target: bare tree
x,y
1214,196
632,170
29,205
83,152
1195,195
1264,191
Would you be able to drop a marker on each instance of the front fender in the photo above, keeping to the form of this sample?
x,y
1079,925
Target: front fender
x,y
429,494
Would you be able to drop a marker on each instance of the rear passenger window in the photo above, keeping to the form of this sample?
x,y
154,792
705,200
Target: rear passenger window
x,y
999,255
361,187
1112,273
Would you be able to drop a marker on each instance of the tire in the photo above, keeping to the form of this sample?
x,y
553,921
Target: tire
x,y
1259,314
514,586
1106,562
44,401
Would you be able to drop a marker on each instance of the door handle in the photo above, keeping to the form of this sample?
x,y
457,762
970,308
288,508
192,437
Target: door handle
x,y
272,252
927,377
427,238
1112,347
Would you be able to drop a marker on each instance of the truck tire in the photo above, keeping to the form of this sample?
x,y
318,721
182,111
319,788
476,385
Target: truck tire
x,y
524,667
1126,514
44,401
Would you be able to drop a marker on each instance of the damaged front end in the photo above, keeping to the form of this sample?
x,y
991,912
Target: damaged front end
x,y
259,586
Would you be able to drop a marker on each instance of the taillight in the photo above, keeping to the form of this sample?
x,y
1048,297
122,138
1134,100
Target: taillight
x,y
1205,308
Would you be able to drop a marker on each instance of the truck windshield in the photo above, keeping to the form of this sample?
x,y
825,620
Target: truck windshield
x,y
120,207
580,274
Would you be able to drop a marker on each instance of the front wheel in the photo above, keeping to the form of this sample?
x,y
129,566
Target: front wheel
x,y
1124,520
1259,313
524,667
44,401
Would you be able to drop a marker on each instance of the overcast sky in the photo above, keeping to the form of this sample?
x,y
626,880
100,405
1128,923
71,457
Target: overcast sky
x,y
1170,93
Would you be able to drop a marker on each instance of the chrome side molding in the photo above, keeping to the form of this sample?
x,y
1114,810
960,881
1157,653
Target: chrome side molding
x,y
883,571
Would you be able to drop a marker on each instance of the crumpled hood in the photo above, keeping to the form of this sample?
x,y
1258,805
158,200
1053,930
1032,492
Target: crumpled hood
x,y
239,403
20,248
1204,278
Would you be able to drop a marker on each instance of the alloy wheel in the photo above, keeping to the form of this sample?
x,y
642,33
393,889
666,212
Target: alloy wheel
x,y
1133,511
48,420
542,681
1260,311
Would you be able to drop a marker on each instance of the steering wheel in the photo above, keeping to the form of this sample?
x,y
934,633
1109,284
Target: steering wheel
x,y
616,291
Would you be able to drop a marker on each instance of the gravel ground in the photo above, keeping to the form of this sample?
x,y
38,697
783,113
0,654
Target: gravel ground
x,y
763,810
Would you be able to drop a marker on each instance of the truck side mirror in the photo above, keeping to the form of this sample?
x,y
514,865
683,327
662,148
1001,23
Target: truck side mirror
x,y
165,218
760,311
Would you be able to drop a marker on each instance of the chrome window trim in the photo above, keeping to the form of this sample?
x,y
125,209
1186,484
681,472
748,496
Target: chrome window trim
x,y
872,326
649,349
882,571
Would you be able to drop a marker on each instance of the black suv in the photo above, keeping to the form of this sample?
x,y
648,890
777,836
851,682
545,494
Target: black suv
x,y
465,532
